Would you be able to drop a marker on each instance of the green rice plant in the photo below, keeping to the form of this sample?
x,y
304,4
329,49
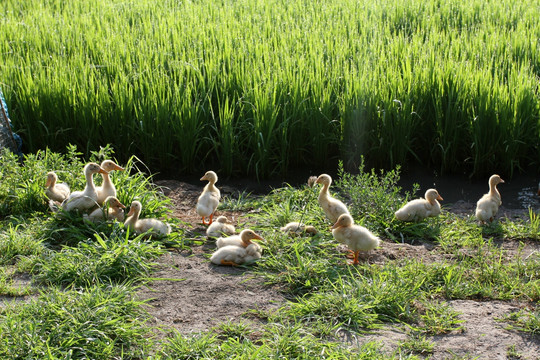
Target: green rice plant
x,y
98,323
101,260
264,87
17,241
8,287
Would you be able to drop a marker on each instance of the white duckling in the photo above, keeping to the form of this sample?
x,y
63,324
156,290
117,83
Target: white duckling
x,y
235,255
107,188
356,237
86,199
332,207
488,205
139,226
112,209
220,227
241,240
209,199
56,191
419,209
298,228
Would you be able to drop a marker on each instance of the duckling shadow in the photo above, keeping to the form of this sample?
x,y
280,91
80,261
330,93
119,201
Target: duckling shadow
x,y
492,229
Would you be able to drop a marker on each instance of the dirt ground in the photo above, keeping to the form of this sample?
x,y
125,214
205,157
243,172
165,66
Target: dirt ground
x,y
194,295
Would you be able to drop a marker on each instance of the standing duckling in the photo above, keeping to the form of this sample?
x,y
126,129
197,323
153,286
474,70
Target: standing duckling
x,y
235,255
332,207
209,199
112,209
488,205
419,209
86,199
357,238
140,226
220,227
107,188
56,191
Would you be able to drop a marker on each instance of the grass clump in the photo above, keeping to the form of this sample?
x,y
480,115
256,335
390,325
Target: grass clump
x,y
97,323
101,260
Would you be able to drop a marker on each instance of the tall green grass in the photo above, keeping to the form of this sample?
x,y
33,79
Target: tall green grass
x,y
263,87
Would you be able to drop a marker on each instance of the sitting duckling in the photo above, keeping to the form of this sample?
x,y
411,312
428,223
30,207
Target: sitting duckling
x,y
419,209
298,228
488,205
220,227
241,240
331,206
107,188
209,199
56,191
236,255
356,237
112,209
139,226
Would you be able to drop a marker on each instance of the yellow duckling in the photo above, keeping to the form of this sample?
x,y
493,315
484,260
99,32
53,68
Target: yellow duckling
x,y
56,191
241,240
220,227
332,207
209,199
298,228
112,209
86,199
488,205
235,255
139,226
420,209
107,188
356,237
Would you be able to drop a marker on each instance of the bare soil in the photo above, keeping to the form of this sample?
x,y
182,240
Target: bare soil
x,y
203,295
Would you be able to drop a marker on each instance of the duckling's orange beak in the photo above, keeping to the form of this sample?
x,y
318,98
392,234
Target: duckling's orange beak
x,y
118,168
439,197
204,178
121,205
49,182
335,226
131,211
102,171
258,237
502,180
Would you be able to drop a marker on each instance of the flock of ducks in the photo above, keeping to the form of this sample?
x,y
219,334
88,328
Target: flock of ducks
x,y
100,204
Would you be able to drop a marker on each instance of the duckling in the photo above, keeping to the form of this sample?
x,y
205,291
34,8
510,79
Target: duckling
x,y
235,255
420,209
56,191
86,199
107,188
332,207
356,237
209,199
241,240
298,228
220,227
488,205
139,226
112,209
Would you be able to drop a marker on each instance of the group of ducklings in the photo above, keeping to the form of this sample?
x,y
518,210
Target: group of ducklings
x,y
100,204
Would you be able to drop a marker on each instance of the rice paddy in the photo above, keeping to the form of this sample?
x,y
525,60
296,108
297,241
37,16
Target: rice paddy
x,y
263,87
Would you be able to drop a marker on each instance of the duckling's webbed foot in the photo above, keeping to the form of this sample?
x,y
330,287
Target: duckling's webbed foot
x,y
228,263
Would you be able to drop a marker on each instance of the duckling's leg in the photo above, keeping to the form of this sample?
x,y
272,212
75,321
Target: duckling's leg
x,y
229,263
211,216
355,261
350,254
204,223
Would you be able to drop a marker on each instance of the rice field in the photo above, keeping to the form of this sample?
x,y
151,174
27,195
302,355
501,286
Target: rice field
x,y
261,87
